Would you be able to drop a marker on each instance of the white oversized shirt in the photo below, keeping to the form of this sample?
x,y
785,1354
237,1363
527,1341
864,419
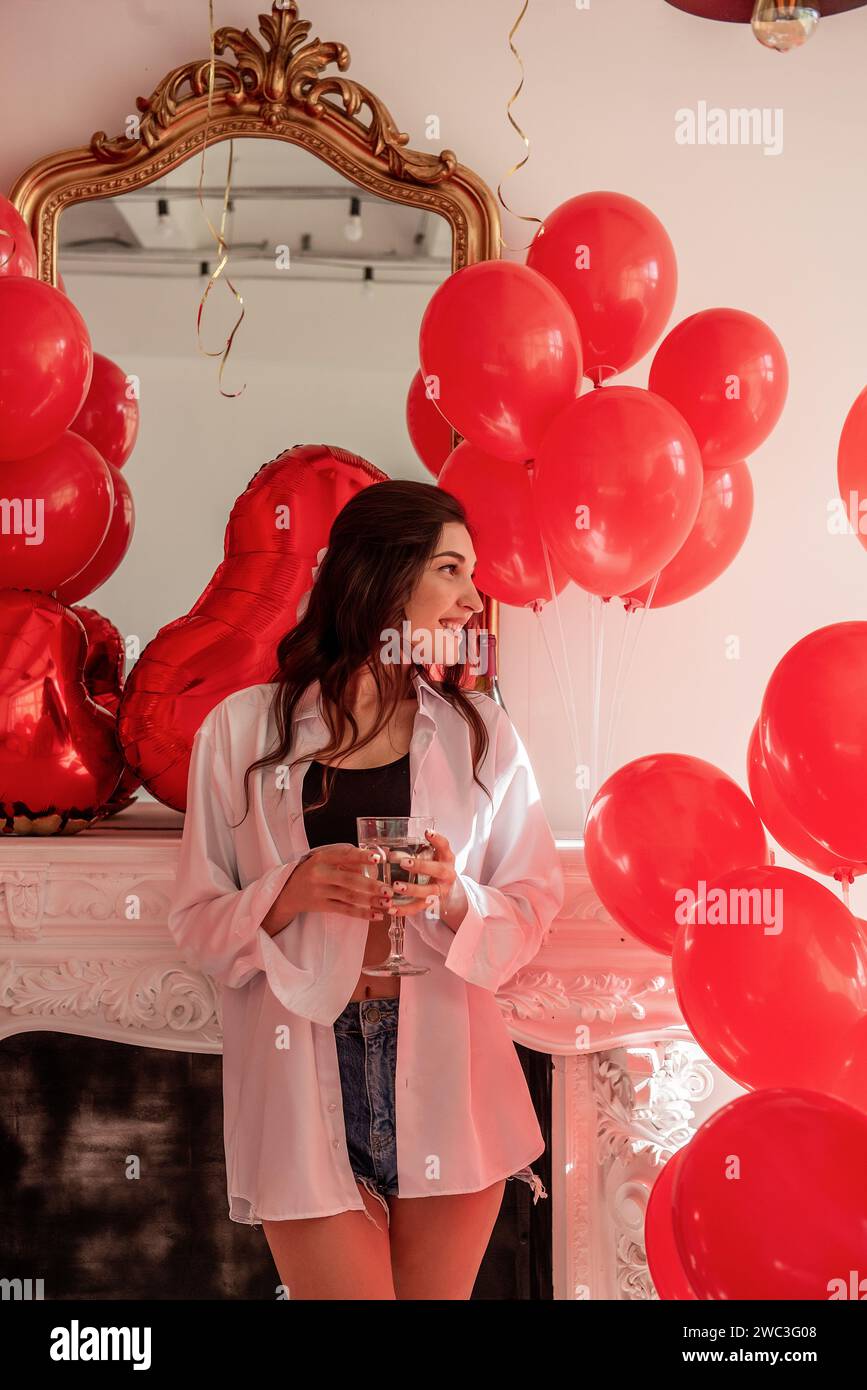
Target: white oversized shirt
x,y
463,1113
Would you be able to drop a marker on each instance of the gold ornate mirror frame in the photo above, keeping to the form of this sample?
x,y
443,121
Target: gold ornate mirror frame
x,y
270,89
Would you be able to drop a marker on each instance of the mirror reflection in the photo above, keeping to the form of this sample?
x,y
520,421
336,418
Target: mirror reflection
x,y
333,282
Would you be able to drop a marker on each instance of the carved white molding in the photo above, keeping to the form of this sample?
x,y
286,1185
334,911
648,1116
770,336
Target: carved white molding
x,y
127,996
646,1099
591,987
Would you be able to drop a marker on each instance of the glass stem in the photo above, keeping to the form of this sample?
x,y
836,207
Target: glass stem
x,y
395,936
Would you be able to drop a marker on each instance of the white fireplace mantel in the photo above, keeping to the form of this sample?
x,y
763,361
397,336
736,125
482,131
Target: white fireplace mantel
x,y
84,948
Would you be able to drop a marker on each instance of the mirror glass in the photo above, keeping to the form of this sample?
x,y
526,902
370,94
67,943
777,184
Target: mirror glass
x,y
334,283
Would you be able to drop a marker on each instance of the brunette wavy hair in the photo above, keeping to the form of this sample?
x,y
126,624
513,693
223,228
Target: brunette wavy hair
x,y
379,545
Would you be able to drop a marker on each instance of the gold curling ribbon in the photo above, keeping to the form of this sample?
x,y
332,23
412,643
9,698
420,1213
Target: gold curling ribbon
x,y
504,246
218,236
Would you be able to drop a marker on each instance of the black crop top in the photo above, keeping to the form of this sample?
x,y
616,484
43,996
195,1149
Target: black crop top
x,y
355,791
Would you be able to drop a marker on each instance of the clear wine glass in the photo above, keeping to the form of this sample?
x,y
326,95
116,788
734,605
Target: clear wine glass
x,y
396,838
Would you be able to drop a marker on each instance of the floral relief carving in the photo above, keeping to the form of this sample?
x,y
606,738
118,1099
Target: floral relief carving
x,y
645,1098
591,997
132,995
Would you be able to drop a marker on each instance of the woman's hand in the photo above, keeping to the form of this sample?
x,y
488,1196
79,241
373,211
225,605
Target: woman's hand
x,y
444,895
332,878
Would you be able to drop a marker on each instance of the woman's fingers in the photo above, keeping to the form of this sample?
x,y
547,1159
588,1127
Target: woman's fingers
x,y
432,868
409,909
348,909
440,844
369,889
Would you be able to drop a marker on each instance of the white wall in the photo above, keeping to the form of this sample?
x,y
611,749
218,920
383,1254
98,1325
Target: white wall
x,y
780,236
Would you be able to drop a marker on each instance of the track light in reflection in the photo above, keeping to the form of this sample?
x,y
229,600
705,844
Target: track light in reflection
x,y
353,229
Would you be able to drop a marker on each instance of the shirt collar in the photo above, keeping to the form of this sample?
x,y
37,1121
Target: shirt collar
x,y
307,707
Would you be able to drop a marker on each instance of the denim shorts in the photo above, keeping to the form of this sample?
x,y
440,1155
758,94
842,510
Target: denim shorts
x,y
366,1037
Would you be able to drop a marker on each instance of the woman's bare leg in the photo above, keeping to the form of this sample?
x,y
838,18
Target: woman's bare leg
x,y
342,1256
438,1243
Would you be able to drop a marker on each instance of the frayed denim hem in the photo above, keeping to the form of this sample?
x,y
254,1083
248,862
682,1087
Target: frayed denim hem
x,y
368,1185
527,1175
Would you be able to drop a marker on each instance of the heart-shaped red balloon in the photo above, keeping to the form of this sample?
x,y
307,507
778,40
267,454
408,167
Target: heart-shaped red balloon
x,y
58,748
103,676
229,638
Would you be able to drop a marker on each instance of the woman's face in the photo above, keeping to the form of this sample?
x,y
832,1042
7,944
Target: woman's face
x,y
445,598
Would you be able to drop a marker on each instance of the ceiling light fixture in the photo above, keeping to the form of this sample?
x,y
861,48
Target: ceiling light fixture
x,y
783,26
778,24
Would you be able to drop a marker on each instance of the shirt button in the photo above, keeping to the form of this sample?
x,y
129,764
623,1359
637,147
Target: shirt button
x,y
335,1143
332,1105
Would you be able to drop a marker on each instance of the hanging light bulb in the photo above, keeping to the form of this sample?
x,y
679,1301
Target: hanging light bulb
x,y
353,229
784,24
367,282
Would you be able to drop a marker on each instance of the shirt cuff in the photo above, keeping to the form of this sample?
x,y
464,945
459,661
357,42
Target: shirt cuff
x,y
287,981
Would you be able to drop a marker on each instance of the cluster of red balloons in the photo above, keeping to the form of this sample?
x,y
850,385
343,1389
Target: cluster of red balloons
x,y
68,423
621,485
770,971
766,1201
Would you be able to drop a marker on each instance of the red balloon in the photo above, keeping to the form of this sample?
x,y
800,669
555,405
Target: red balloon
x,y
109,417
663,1256
498,500
615,263
852,466
662,825
770,999
727,374
770,1200
618,485
45,365
17,249
847,1080
114,546
430,432
814,735
229,637
103,677
718,533
71,491
504,347
784,827
59,757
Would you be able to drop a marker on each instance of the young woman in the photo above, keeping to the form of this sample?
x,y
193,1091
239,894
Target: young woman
x,y
373,1153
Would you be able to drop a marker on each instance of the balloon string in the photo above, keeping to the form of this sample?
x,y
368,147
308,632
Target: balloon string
x,y
629,636
597,630
616,695
844,889
537,609
219,237
515,167
569,709
572,711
